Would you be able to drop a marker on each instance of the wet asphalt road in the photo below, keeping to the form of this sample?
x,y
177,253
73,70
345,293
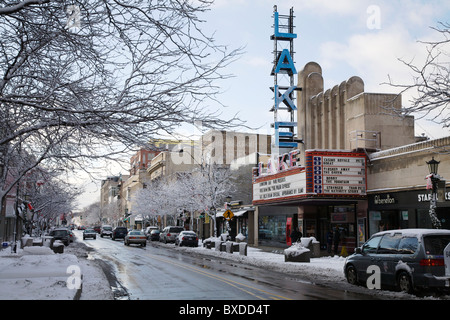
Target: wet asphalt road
x,y
160,272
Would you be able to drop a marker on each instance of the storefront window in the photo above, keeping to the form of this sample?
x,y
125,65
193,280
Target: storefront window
x,y
272,229
384,220
424,220
344,218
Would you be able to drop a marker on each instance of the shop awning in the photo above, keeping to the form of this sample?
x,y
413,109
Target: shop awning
x,y
237,213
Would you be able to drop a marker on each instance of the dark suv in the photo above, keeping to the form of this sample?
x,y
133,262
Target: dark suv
x,y
408,259
119,233
61,234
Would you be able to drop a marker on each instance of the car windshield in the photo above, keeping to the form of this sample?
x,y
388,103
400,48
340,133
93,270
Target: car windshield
x,y
176,229
60,233
89,230
135,232
107,228
188,233
435,245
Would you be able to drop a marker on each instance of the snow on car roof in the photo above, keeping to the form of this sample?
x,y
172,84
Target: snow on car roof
x,y
415,232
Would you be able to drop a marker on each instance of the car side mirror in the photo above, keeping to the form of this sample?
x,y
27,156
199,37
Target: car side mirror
x,y
358,250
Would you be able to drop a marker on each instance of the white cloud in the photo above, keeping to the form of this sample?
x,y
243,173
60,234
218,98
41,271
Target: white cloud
x,y
372,55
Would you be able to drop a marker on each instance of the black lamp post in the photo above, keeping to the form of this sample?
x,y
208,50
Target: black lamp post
x,y
433,166
435,178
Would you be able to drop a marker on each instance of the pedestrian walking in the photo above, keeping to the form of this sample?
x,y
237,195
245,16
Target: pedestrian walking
x,y
336,239
329,240
296,235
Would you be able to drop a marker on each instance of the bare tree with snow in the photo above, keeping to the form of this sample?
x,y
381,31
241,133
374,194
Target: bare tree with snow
x,y
431,80
92,79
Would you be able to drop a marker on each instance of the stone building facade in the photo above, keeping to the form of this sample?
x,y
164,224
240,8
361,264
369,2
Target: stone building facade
x,y
346,117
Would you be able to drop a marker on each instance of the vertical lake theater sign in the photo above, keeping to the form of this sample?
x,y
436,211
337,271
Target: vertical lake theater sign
x,y
327,174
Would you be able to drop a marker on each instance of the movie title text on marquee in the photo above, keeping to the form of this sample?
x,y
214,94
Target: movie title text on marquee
x,y
339,175
287,186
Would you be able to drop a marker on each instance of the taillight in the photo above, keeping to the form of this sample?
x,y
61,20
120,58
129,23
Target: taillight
x,y
432,262
183,238
168,234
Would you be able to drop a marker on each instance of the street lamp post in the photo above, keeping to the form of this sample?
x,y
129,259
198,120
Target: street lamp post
x,y
432,180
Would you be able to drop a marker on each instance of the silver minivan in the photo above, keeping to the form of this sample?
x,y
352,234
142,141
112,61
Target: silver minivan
x,y
407,259
169,234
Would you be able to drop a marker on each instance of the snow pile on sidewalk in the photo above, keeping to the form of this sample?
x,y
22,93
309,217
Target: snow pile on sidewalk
x,y
321,269
37,273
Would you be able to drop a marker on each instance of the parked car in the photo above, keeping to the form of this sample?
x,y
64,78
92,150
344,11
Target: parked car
x,y
61,234
187,238
106,231
169,234
97,229
408,259
149,229
119,233
135,237
71,235
89,233
154,235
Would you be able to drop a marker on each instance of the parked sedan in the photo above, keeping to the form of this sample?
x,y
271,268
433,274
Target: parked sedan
x,y
106,231
408,259
187,238
71,235
154,235
149,230
135,237
89,233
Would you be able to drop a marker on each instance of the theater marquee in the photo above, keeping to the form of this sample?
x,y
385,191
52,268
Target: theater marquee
x,y
335,174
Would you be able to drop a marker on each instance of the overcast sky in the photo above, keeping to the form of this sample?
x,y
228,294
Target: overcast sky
x,y
346,37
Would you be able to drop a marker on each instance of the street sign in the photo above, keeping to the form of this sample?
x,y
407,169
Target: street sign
x,y
228,215
447,260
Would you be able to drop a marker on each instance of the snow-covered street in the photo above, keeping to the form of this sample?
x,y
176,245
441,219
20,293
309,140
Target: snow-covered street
x,y
38,273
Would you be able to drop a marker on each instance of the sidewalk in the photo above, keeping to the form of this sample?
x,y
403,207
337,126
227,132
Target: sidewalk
x,y
36,273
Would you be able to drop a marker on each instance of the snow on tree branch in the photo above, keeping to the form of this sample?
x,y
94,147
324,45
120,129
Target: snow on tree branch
x,y
127,72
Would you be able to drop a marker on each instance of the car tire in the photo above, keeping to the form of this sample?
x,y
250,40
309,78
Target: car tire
x,y
351,275
404,283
